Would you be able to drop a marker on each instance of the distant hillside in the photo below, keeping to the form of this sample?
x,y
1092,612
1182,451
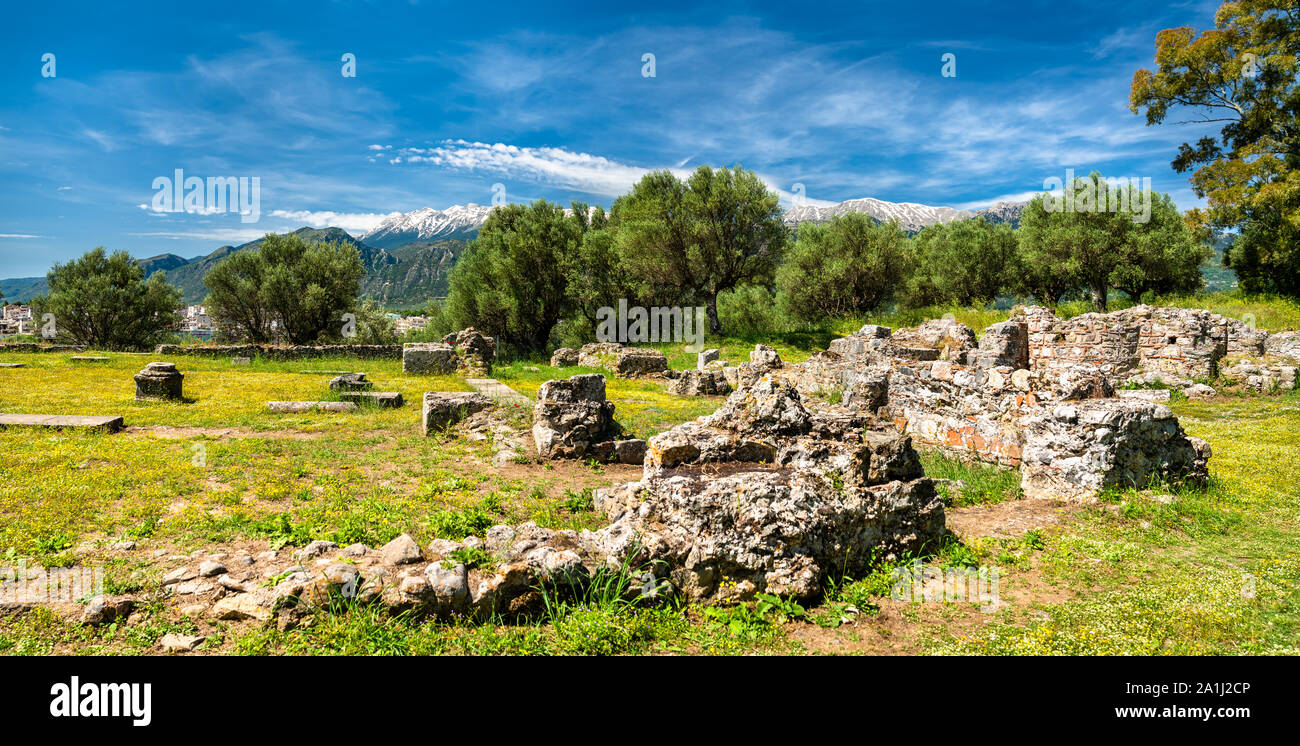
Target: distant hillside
x,y
419,276
22,289
1217,276
406,277
189,276
1003,212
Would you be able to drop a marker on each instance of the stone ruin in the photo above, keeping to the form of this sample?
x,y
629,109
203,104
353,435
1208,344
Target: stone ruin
x,y
1178,347
1031,393
622,361
573,419
763,496
159,381
466,352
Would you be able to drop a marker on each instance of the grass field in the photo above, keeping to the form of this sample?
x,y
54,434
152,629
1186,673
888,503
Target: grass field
x,y
1150,572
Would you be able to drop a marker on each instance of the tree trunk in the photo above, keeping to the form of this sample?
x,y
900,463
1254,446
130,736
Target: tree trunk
x,y
711,308
1098,298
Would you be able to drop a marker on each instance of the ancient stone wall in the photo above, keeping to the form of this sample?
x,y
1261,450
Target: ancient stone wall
x,y
1180,342
285,352
1059,423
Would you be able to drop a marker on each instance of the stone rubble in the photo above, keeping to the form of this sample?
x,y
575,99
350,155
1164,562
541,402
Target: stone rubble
x,y
623,362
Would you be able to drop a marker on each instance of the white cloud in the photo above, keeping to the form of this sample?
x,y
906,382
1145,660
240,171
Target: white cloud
x,y
352,222
555,167
229,235
18,235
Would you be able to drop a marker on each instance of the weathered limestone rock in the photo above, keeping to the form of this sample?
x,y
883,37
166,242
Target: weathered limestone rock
x,y
1076,382
350,382
444,408
708,356
951,339
634,362
106,609
174,643
766,358
1005,343
1156,396
623,362
571,415
762,496
428,358
159,381
1284,345
564,357
1262,377
474,352
700,382
631,451
384,399
601,355
1080,449
401,551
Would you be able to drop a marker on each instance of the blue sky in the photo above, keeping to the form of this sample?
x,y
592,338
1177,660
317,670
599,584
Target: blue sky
x,y
549,100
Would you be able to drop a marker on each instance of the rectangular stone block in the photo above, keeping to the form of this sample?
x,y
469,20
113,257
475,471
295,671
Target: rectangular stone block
x,y
59,421
428,358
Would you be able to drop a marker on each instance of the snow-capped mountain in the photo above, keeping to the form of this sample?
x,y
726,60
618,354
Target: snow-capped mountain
x,y
1003,212
910,215
428,224
463,221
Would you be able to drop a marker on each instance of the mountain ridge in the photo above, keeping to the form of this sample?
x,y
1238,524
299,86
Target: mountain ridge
x,y
408,256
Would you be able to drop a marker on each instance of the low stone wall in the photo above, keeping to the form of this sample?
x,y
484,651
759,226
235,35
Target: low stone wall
x,y
285,352
1183,342
37,347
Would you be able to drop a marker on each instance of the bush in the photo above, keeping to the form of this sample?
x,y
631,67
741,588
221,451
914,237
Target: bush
x,y
749,312
849,266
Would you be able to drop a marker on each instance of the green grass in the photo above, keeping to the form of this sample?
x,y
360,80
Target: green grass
x,y
982,483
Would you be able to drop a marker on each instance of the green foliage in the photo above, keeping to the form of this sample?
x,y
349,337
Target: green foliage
x,y
684,243
103,301
966,262
851,265
472,520
1241,73
471,557
373,326
981,483
513,280
750,312
1095,236
305,287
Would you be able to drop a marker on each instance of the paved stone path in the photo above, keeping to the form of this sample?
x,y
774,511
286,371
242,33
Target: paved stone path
x,y
112,424
497,390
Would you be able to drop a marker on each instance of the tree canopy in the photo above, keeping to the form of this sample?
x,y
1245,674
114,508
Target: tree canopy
x,y
688,241
850,265
1240,74
104,301
285,287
